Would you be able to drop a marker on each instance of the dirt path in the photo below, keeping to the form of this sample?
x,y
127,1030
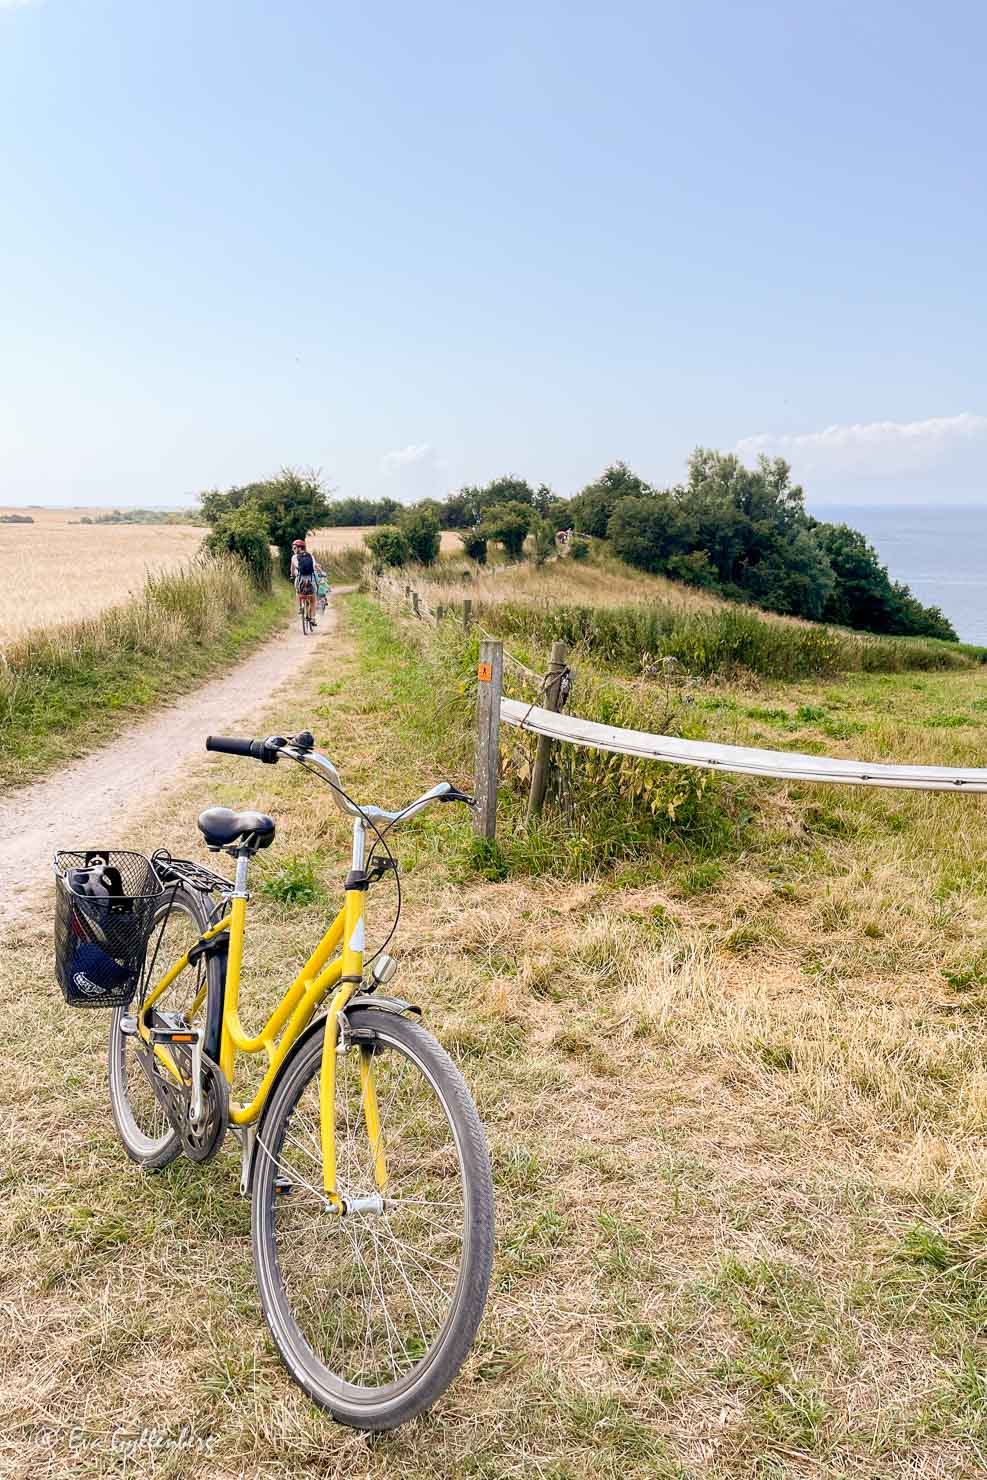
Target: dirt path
x,y
82,802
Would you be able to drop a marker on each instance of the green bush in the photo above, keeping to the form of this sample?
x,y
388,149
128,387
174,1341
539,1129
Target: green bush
x,y
292,505
543,540
474,545
388,545
579,548
421,529
508,525
243,533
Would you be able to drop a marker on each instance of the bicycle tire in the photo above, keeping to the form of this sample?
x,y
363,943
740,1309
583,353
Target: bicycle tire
x,y
385,1406
154,1152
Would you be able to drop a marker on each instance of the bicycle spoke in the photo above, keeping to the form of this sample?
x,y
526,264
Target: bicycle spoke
x,y
371,1291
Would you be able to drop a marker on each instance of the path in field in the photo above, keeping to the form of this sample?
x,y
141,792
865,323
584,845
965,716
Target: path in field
x,y
80,804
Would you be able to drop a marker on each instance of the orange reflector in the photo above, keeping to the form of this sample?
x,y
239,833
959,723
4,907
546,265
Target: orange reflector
x,y
484,672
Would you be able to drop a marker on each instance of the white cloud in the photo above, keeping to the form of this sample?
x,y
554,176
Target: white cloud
x,y
874,449
414,472
406,457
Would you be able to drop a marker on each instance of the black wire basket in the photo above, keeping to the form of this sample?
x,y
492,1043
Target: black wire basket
x,y
105,905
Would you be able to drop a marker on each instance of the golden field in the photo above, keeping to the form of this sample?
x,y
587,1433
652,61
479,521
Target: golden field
x,y
56,571
346,536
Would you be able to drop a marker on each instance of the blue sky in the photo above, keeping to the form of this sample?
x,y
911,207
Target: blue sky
x,y
420,245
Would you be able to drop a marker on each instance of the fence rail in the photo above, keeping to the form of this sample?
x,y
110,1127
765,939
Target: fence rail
x,y
552,727
742,759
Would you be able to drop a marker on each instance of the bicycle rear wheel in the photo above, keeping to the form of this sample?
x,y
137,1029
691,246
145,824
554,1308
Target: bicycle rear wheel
x,y
374,1311
147,1134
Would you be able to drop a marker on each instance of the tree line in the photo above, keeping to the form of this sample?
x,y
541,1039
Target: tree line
x,y
738,532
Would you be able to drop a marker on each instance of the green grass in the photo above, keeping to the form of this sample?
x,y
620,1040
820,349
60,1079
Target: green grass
x,y
65,690
722,641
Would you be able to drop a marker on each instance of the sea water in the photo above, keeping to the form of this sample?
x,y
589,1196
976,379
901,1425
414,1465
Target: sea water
x,y
939,550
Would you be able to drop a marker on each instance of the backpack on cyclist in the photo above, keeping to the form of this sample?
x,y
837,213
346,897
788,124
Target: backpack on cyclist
x,y
304,574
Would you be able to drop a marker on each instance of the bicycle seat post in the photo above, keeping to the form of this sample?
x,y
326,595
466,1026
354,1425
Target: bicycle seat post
x,y
243,857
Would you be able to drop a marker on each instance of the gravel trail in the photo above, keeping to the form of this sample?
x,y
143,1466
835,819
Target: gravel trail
x,y
83,801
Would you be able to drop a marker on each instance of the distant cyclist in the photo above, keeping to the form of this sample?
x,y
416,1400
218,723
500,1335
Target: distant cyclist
x,y
305,572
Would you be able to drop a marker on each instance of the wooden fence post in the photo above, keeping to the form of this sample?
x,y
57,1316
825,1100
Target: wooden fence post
x,y
467,614
414,604
489,687
543,750
440,612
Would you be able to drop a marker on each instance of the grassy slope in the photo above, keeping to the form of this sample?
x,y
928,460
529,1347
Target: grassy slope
x,y
736,1110
613,614
79,685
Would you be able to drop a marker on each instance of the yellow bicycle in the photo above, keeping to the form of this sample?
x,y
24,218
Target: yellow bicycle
x,y
361,1148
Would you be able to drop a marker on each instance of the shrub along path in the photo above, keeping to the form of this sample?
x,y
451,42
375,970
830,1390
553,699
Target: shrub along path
x,y
86,800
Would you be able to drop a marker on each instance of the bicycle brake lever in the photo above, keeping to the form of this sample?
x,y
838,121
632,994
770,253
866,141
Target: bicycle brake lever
x,y
455,795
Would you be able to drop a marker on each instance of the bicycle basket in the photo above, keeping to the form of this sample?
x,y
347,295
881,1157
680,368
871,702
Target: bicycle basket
x,y
105,904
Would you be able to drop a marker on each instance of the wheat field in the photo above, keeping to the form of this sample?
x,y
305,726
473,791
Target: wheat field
x,y
344,537
56,570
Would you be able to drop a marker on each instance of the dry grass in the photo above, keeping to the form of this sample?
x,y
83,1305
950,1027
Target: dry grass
x,y
54,571
736,1106
600,582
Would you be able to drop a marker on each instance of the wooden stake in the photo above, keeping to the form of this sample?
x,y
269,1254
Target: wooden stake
x,y
489,687
543,750
467,614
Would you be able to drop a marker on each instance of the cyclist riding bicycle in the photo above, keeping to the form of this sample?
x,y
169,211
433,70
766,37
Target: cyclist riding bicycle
x,y
305,572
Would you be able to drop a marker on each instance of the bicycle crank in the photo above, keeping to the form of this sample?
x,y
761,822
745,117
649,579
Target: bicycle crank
x,y
200,1119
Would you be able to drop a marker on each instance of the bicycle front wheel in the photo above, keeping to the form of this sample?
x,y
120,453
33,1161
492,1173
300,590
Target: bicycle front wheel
x,y
374,1310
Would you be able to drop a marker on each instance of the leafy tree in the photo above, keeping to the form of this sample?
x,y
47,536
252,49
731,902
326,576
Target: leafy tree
x,y
508,524
543,539
467,508
421,529
507,490
360,512
591,510
474,545
752,524
388,545
243,532
293,504
647,531
864,595
579,548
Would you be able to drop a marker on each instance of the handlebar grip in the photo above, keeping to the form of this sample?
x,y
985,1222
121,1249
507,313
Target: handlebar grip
x,y
258,750
228,745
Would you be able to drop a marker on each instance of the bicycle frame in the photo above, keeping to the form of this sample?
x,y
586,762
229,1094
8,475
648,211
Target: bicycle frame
x,y
292,1014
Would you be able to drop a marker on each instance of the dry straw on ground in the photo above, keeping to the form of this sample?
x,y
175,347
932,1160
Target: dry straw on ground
x,y
736,1109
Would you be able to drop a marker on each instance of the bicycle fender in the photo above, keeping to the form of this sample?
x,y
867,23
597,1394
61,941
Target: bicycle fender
x,y
396,1005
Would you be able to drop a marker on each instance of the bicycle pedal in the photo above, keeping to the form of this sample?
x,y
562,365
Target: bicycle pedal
x,y
174,1035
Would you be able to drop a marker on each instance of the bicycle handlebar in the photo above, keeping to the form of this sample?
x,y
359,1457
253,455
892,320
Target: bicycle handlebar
x,y
260,750
302,748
